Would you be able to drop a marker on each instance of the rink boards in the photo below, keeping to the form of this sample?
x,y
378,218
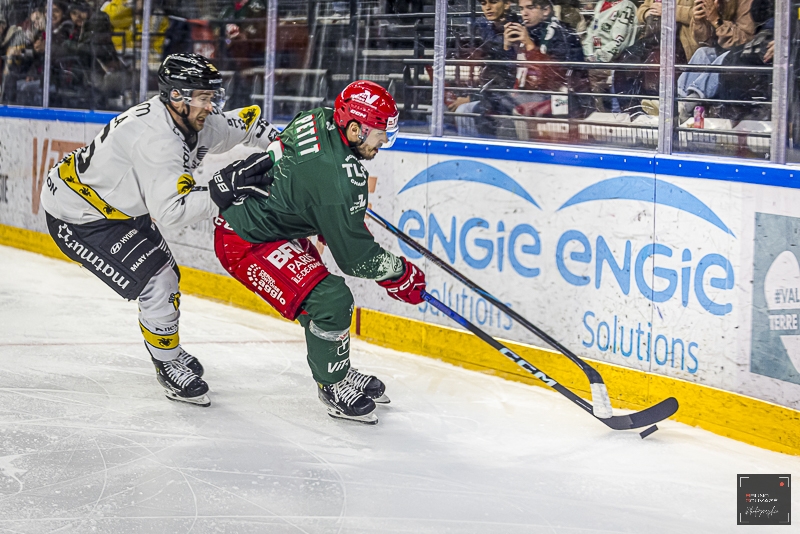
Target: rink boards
x,y
677,276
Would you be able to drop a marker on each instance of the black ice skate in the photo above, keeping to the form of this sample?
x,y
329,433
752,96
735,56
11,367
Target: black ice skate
x,y
369,385
180,383
346,402
191,362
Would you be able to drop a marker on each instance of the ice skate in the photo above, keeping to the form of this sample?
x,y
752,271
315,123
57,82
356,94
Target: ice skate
x,y
180,383
346,402
369,385
191,362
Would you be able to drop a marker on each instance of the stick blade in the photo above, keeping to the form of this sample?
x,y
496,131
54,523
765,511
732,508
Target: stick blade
x,y
647,417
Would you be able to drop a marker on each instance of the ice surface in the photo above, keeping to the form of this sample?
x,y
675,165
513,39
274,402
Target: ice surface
x,y
88,443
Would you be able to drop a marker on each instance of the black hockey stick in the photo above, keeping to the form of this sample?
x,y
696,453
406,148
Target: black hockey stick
x,y
600,400
646,417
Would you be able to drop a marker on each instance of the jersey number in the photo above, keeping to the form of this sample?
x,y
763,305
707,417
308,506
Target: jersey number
x,y
84,158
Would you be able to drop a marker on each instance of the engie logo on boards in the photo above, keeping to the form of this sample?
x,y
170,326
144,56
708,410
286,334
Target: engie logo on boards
x,y
685,280
775,345
591,252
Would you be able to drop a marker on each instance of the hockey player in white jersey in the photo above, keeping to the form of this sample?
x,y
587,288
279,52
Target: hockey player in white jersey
x,y
103,200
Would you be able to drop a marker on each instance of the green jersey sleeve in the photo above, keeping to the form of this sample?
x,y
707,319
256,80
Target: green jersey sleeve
x,y
319,188
353,246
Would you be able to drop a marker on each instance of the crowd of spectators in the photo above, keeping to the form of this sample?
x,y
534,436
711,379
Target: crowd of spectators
x,y
618,33
87,69
590,55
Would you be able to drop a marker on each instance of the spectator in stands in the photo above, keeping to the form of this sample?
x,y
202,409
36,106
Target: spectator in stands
x,y
62,24
245,38
21,36
245,31
569,12
541,31
24,77
719,25
612,30
490,29
5,33
683,18
646,49
89,57
723,23
541,37
20,54
16,11
122,14
738,86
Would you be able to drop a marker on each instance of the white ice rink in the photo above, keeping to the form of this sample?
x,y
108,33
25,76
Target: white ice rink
x,y
88,443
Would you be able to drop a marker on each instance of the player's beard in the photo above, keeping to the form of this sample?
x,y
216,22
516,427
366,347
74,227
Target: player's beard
x,y
196,123
366,152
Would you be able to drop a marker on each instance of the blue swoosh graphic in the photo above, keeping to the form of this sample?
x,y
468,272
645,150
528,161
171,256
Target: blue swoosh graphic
x,y
647,190
469,171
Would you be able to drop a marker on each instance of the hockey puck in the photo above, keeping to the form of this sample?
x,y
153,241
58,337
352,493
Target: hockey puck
x,y
647,432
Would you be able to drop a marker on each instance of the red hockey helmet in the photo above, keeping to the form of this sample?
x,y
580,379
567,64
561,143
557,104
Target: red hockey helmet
x,y
371,106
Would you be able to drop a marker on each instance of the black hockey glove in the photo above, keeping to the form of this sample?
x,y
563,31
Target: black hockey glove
x,y
241,178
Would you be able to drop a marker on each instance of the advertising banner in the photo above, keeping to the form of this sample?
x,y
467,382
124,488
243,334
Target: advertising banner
x,y
690,278
658,273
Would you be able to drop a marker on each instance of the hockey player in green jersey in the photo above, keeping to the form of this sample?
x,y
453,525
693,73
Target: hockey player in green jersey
x,y
319,187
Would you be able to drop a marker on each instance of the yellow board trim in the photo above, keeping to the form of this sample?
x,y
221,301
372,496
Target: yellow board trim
x,y
160,341
69,174
739,417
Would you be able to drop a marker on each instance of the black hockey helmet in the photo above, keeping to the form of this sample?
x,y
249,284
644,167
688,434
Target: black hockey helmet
x,y
189,72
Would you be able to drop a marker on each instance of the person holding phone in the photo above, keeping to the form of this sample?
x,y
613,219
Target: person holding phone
x,y
683,19
722,23
487,102
719,25
541,37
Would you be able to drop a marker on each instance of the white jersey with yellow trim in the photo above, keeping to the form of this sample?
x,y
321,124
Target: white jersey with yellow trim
x,y
140,163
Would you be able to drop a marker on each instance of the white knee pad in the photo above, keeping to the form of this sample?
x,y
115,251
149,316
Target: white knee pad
x,y
158,314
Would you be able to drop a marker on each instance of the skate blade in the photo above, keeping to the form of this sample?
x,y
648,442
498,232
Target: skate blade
x,y
368,419
383,399
201,400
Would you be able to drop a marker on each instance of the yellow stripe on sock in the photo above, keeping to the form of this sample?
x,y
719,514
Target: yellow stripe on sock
x,y
160,341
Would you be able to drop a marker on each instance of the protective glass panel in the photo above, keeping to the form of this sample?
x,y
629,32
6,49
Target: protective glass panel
x,y
724,79
324,45
22,34
793,151
232,34
95,55
565,71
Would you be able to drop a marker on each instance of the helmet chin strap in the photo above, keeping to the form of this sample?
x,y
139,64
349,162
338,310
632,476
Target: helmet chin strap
x,y
361,140
184,117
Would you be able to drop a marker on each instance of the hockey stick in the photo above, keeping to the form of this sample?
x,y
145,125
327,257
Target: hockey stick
x,y
600,400
646,417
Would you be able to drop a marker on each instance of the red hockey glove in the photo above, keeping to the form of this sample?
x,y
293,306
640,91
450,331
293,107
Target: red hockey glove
x,y
408,287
